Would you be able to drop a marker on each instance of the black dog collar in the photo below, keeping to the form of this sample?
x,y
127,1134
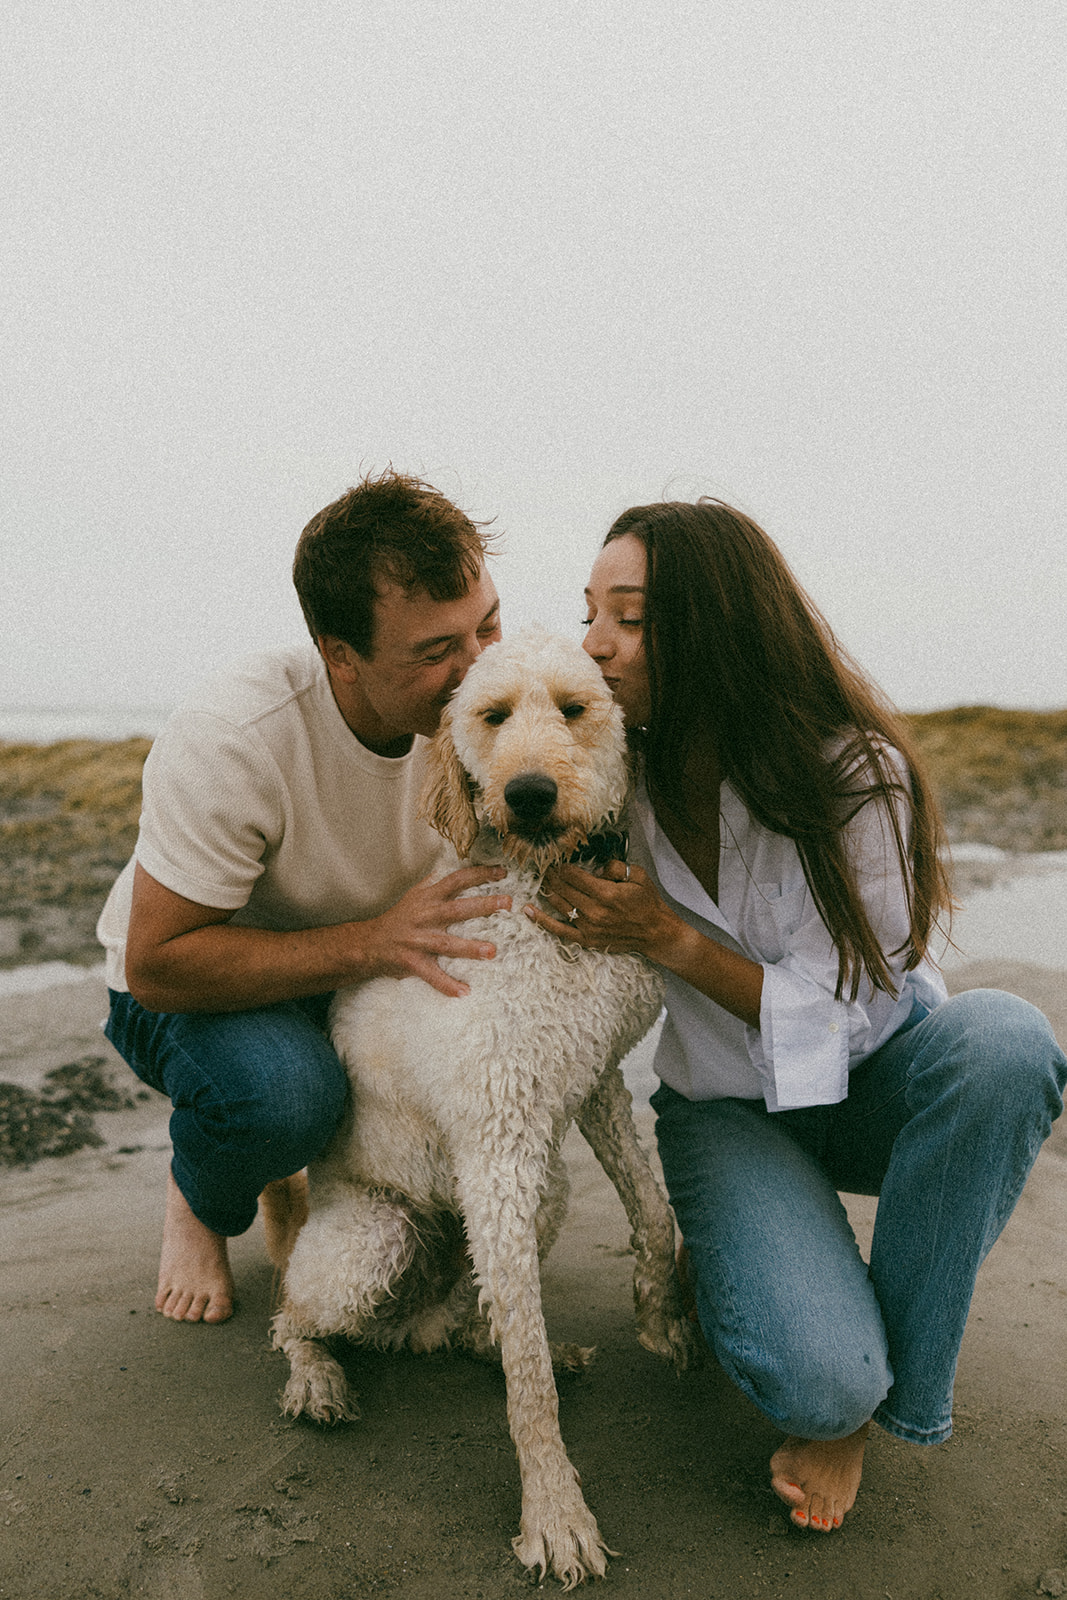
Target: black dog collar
x,y
600,848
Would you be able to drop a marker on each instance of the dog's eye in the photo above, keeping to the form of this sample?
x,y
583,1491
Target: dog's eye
x,y
495,717
572,711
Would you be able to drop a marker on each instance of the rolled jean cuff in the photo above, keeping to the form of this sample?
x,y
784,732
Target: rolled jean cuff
x,y
902,1430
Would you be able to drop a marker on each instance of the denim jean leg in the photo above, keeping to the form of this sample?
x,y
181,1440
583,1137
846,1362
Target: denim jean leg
x,y
982,1080
256,1096
782,1292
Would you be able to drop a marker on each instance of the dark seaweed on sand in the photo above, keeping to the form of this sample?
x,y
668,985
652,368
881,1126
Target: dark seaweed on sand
x,y
57,1120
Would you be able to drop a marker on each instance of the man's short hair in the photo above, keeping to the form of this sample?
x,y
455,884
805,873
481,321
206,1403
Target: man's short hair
x,y
395,529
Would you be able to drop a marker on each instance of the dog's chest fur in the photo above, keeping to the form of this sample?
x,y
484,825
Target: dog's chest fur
x,y
540,1024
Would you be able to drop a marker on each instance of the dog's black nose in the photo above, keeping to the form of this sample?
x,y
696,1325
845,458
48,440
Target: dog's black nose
x,y
531,796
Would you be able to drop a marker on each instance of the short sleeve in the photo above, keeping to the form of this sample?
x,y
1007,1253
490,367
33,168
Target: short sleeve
x,y
214,805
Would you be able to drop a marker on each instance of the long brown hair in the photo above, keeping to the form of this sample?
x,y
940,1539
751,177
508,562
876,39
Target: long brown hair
x,y
738,655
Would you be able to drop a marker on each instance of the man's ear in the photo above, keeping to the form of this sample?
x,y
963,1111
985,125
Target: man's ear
x,y
341,660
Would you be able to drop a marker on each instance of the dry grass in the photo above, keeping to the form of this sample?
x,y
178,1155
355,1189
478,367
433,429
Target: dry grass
x,y
1001,776
68,818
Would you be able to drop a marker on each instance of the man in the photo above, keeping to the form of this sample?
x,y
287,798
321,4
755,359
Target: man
x,y
280,856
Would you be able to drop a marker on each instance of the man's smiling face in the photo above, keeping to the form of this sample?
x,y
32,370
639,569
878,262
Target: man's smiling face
x,y
419,655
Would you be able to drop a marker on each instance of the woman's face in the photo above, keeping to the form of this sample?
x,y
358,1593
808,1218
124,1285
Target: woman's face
x,y
615,638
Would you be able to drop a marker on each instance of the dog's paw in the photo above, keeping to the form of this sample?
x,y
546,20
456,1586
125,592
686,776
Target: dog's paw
x,y
564,1541
318,1389
675,1339
571,1357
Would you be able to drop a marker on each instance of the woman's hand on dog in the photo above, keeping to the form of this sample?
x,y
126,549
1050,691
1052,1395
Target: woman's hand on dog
x,y
618,910
407,940
622,913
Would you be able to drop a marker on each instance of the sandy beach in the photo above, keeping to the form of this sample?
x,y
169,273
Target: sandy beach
x,y
144,1458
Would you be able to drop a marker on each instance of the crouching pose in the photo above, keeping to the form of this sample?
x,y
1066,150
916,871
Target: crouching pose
x,y
789,885
280,855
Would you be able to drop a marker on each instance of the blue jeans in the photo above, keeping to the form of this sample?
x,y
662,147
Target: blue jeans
x,y
256,1095
943,1123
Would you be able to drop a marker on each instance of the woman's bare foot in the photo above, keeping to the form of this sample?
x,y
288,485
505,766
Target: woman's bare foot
x,y
819,1478
195,1282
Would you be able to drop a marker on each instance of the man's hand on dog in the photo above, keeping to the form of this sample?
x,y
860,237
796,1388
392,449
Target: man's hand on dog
x,y
408,938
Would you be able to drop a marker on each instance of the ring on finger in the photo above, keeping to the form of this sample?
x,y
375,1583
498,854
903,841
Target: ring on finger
x,y
572,914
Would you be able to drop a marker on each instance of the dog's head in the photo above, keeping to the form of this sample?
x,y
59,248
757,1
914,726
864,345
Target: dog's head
x,y
532,744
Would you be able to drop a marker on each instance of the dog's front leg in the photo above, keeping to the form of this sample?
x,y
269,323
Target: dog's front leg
x,y
606,1120
499,1192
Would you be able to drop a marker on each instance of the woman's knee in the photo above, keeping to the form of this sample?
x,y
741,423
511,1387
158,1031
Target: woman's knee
x,y
999,1049
798,1329
814,1391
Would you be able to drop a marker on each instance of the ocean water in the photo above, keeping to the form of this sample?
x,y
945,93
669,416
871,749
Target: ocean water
x,y
45,975
1020,916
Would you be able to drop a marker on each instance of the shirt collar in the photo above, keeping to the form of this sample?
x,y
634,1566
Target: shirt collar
x,y
680,881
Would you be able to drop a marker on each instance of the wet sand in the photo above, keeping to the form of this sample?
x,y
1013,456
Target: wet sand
x,y
144,1458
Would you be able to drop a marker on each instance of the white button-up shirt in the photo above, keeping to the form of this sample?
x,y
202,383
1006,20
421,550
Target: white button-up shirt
x,y
807,1041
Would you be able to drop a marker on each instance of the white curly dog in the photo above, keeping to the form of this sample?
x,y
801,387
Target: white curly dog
x,y
461,1105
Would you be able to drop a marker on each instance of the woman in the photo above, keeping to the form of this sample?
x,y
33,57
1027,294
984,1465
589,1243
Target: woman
x,y
786,875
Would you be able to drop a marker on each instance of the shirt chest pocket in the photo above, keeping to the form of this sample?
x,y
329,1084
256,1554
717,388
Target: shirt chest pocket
x,y
767,921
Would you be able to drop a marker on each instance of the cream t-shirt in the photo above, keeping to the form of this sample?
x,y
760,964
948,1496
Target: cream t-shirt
x,y
260,800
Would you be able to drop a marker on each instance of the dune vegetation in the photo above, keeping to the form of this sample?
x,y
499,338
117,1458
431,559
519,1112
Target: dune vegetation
x,y
68,822
1001,776
68,816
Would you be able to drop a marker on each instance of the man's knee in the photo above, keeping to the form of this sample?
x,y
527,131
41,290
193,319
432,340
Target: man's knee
x,y
298,1114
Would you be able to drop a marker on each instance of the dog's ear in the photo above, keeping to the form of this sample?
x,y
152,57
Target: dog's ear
x,y
447,802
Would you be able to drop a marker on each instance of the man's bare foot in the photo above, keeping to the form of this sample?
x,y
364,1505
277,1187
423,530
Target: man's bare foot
x,y
195,1282
819,1478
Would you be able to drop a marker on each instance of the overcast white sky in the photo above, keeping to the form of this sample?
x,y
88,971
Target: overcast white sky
x,y
559,259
